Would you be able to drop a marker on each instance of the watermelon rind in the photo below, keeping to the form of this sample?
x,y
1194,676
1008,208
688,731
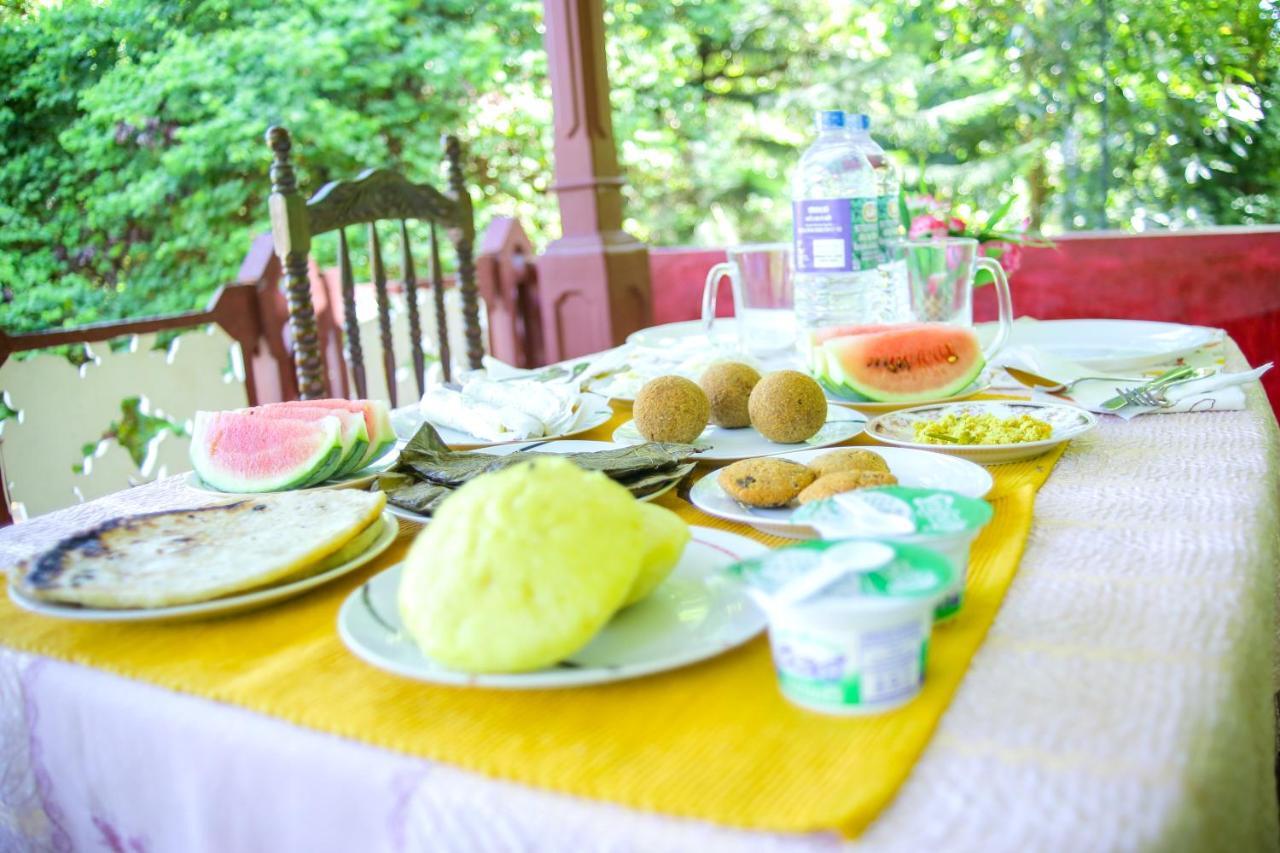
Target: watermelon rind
x,y
216,465
835,376
377,417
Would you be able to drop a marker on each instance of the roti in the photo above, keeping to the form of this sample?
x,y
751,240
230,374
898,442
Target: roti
x,y
355,546
162,559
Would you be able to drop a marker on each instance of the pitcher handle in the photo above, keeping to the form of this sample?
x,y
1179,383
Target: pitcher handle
x,y
710,292
1004,302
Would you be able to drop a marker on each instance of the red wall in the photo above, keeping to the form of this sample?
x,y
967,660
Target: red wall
x,y
1228,278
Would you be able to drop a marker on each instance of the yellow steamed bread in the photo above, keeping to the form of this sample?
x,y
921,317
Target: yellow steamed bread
x,y
665,534
521,567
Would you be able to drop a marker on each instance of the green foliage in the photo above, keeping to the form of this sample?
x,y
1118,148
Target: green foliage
x,y
133,173
136,431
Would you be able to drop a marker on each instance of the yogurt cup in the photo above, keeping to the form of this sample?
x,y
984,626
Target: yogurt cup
x,y
942,521
859,643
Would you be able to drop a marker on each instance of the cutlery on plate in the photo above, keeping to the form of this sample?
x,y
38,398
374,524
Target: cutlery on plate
x,y
1044,383
1138,393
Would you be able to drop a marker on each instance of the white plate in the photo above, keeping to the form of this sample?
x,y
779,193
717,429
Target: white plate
x,y
1113,344
540,446
725,445
697,613
407,419
227,606
915,468
981,384
1068,422
355,480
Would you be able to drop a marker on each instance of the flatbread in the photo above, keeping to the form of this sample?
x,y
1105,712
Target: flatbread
x,y
356,546
162,559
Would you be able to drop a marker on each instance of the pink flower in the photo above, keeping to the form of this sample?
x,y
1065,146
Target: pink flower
x,y
1008,254
927,225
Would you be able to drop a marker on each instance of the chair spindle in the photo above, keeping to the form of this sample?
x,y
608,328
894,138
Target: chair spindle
x,y
384,312
355,353
437,297
411,300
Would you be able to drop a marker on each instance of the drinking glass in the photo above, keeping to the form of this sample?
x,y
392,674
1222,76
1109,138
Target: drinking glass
x,y
760,284
939,280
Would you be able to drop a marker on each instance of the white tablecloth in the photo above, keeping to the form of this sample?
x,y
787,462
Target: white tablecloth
x,y
1122,701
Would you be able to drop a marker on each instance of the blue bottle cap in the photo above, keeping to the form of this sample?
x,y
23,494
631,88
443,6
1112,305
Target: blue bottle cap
x,y
830,119
858,121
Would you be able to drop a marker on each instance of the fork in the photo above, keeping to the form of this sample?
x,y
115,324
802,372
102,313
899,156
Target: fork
x,y
1154,396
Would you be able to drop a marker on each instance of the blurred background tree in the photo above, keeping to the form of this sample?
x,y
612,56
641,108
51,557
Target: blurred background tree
x,y
133,172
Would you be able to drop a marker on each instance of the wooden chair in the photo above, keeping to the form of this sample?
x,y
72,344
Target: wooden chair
x,y
374,195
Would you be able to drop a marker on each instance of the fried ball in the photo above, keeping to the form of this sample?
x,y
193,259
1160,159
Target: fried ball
x,y
844,481
728,385
787,407
764,482
671,408
848,459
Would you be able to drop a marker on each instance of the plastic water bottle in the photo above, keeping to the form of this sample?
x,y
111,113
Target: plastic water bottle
x,y
888,188
837,235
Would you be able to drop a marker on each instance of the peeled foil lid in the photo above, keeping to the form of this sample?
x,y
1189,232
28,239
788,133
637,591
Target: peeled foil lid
x,y
913,572
894,512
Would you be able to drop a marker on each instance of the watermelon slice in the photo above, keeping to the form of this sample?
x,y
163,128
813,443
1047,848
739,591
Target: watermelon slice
x,y
377,420
238,452
901,364
354,433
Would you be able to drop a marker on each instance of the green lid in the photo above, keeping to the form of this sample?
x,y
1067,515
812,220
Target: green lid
x,y
911,571
895,511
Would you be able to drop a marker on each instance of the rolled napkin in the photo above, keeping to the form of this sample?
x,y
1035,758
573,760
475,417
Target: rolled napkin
x,y
1222,392
510,410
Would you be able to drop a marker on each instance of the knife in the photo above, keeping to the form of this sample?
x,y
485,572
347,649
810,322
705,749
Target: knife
x,y
1167,378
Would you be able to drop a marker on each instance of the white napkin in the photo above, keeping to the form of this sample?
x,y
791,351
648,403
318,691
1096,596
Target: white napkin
x,y
511,410
1221,392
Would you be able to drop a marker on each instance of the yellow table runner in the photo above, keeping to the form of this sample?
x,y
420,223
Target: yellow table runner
x,y
714,741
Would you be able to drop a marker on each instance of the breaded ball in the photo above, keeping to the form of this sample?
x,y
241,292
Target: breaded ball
x,y
848,459
787,407
671,408
764,482
844,481
728,386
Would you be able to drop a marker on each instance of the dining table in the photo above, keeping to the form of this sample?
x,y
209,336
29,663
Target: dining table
x,y
1122,698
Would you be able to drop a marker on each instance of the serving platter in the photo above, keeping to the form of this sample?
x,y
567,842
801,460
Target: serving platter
x,y
226,606
406,420
726,445
540,446
354,480
978,386
914,468
697,613
1113,345
1068,422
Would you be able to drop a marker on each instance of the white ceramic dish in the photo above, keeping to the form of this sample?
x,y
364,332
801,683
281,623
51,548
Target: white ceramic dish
x,y
914,468
981,384
725,445
1068,422
1117,345
227,606
540,446
695,614
406,420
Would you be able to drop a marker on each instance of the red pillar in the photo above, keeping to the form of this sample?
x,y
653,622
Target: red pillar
x,y
593,281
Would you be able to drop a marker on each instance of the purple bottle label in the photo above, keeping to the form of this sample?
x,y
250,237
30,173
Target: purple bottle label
x,y
836,235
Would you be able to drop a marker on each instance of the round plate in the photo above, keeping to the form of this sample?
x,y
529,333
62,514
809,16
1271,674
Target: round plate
x,y
697,613
540,446
1068,422
226,606
1113,344
407,419
356,480
726,445
915,468
981,384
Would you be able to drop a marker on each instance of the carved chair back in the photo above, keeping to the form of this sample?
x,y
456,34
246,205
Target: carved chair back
x,y
374,195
